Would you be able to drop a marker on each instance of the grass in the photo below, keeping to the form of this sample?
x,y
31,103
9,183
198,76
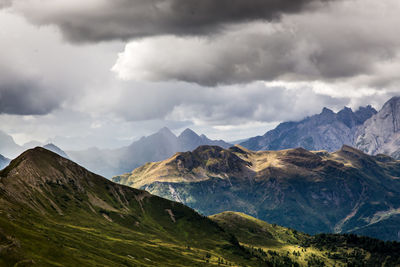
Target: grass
x,y
284,246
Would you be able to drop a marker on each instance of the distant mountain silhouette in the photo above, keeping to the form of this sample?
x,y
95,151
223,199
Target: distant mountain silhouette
x,y
156,147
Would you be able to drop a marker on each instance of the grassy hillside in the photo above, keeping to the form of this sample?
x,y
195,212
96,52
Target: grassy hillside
x,y
312,191
55,213
287,247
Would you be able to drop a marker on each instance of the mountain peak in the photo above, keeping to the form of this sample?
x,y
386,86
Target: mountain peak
x,y
188,133
346,110
165,130
326,110
35,154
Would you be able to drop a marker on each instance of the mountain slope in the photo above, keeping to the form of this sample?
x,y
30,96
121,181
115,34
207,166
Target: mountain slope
x,y
381,133
344,191
288,247
325,131
156,147
55,212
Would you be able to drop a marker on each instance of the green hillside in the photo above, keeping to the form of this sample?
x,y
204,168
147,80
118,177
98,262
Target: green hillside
x,y
312,191
55,213
287,247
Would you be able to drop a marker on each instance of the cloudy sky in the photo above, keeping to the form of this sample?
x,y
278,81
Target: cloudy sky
x,y
105,72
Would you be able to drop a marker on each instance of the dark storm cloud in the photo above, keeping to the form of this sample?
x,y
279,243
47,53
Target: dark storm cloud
x,y
21,96
345,41
100,20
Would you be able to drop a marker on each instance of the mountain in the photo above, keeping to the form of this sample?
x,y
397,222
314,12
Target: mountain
x,y
287,247
56,149
32,144
8,147
54,212
4,162
189,140
381,133
346,191
156,147
325,131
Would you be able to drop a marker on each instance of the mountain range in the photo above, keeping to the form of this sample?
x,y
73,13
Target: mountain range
x,y
366,129
346,191
56,213
10,149
156,147
325,131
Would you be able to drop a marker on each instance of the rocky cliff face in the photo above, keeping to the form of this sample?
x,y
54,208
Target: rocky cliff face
x,y
381,133
345,191
325,131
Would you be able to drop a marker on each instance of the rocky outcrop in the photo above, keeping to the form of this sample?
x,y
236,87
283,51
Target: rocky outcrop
x,y
381,133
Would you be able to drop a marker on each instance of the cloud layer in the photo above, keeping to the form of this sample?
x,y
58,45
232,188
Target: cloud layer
x,y
346,40
100,20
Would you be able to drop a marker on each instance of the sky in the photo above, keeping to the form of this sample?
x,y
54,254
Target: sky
x,y
106,72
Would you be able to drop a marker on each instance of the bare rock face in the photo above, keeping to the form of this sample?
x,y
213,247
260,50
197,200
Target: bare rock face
x,y
325,131
381,133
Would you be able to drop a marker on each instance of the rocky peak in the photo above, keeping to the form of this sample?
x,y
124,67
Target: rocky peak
x,y
325,131
364,113
327,111
165,131
188,134
347,116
